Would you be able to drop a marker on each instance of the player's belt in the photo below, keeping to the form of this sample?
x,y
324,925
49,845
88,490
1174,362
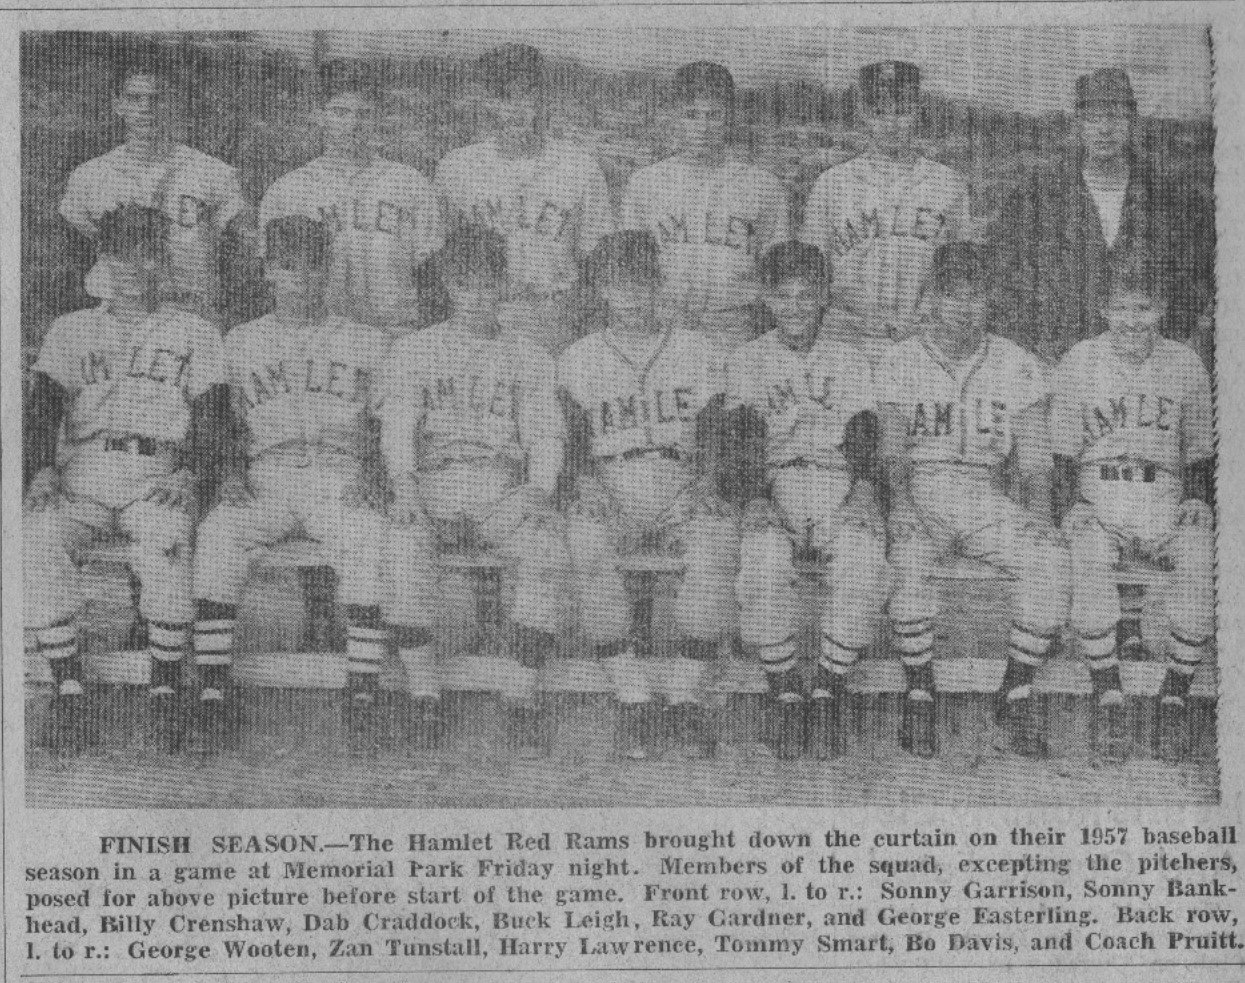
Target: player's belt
x,y
1128,472
665,453
804,463
143,446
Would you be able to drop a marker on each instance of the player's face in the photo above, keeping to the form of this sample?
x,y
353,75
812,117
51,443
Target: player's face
x,y
348,122
960,312
1105,131
143,106
297,285
475,293
703,123
796,305
632,303
137,275
1133,319
519,114
891,125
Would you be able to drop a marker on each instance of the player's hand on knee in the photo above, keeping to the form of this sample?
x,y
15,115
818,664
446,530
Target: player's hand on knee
x,y
904,522
1080,518
44,491
1194,513
761,514
360,494
235,491
172,491
407,507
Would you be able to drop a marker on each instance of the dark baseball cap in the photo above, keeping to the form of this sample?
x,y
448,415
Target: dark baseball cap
x,y
955,263
131,229
793,260
297,238
1105,87
624,255
890,81
510,64
704,79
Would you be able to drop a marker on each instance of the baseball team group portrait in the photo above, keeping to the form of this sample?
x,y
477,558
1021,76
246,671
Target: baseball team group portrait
x,y
561,418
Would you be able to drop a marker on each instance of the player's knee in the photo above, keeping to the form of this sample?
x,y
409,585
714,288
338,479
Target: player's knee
x,y
863,549
589,542
1081,521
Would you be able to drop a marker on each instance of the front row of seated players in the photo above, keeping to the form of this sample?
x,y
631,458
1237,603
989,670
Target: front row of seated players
x,y
473,457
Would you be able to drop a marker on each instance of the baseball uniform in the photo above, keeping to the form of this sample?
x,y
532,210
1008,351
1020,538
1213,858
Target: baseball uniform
x,y
305,392
199,194
806,400
711,225
641,398
878,222
130,386
959,419
385,220
552,209
1132,429
472,420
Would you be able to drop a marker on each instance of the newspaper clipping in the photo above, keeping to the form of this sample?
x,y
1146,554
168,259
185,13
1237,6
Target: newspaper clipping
x,y
622,490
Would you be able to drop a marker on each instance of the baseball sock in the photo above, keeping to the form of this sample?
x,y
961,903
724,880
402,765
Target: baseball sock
x,y
915,641
214,627
1183,657
777,657
837,658
1102,658
366,642
166,644
59,644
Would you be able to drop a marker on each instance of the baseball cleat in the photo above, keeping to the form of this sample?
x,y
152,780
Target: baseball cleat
x,y
917,733
1024,729
631,743
216,720
67,728
788,735
825,737
1111,742
1171,730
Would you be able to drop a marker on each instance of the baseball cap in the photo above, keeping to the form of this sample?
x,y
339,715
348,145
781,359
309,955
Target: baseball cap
x,y
630,254
511,63
297,237
793,260
1106,86
343,76
958,262
474,250
890,81
132,228
704,79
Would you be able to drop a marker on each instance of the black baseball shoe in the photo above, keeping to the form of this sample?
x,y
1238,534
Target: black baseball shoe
x,y
526,733
217,720
1111,743
632,720
165,719
824,730
1024,728
693,737
68,731
917,733
1172,743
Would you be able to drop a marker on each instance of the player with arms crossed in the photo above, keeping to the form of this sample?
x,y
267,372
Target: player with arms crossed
x,y
807,389
384,216
304,381
200,195
1133,431
878,217
644,399
712,216
958,403
473,438
547,197
139,386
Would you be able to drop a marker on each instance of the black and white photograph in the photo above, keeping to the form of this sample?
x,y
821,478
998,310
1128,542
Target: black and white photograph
x,y
619,417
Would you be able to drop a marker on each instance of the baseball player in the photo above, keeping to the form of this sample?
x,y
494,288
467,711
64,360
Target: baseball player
x,y
547,197
304,381
139,388
473,438
712,216
879,216
384,217
809,394
644,397
1133,431
199,194
958,403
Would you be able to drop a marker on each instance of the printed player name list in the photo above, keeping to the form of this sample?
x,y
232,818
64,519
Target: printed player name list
x,y
388,900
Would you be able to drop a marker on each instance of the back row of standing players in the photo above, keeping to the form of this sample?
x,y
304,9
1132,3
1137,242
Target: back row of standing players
x,y
331,416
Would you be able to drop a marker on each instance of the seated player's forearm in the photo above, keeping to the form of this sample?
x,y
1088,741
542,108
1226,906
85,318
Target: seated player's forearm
x,y
46,408
1033,490
1199,480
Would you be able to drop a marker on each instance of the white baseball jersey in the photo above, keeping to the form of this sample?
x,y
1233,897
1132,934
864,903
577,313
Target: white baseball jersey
x,y
199,194
1106,408
643,401
385,219
711,224
552,208
806,398
961,413
878,222
137,380
469,398
311,383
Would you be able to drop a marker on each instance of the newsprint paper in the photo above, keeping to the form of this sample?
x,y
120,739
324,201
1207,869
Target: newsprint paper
x,y
629,491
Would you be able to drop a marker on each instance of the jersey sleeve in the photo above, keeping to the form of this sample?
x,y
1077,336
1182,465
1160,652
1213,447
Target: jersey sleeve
x,y
1066,426
75,204
598,216
775,217
208,365
1198,414
59,353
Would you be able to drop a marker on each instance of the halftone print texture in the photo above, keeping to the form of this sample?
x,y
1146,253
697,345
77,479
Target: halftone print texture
x,y
574,418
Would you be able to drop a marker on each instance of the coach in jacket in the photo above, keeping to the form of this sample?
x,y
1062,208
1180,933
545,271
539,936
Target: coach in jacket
x,y
1058,230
